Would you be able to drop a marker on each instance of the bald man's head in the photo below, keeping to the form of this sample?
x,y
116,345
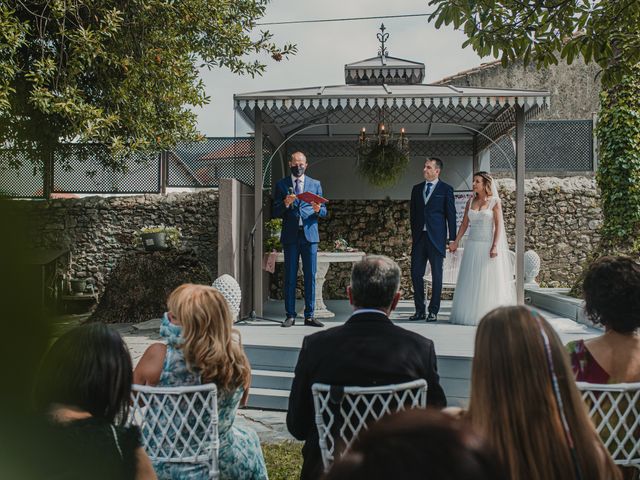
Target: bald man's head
x,y
298,164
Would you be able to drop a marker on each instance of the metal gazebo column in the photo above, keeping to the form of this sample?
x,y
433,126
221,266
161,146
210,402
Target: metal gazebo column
x,y
258,181
520,198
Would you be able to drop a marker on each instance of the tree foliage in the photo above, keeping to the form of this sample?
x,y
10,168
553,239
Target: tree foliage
x,y
122,73
545,31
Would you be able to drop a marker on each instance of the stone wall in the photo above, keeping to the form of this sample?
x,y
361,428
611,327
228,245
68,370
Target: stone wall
x,y
99,230
562,221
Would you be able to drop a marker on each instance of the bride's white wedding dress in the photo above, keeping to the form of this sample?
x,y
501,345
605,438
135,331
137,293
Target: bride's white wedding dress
x,y
484,283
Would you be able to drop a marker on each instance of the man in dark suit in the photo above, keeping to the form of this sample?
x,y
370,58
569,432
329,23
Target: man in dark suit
x,y
299,236
432,212
367,350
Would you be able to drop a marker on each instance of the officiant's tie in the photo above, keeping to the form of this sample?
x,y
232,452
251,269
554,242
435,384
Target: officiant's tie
x,y
298,191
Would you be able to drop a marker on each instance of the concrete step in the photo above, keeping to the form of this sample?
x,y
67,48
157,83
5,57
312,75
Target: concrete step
x,y
268,399
272,358
272,373
271,379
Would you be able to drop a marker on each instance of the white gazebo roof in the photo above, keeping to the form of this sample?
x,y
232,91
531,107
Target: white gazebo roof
x,y
423,110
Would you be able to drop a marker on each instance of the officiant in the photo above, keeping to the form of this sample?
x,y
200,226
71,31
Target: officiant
x,y
299,236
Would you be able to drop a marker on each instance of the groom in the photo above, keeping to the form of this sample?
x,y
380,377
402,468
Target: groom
x,y
432,211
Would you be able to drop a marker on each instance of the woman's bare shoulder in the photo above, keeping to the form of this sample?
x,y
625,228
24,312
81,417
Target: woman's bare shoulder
x,y
149,368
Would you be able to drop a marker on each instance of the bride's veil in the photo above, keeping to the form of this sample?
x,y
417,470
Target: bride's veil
x,y
504,255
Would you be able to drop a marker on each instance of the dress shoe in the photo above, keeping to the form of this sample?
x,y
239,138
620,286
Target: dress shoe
x,y
432,317
288,322
417,316
312,322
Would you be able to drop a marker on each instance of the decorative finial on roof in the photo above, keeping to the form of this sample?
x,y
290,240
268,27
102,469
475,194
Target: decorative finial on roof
x,y
382,38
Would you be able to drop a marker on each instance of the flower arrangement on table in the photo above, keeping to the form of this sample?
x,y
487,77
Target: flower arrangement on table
x,y
338,245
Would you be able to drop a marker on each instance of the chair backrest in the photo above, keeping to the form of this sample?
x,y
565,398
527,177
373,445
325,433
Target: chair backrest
x,y
450,267
342,412
178,424
615,412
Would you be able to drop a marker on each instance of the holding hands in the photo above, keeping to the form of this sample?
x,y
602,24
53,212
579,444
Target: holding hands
x,y
453,246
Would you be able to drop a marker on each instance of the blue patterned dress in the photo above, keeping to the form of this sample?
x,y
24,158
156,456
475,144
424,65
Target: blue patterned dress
x,y
240,456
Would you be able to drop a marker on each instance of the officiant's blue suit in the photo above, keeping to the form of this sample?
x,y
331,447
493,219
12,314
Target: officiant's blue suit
x,y
298,241
438,215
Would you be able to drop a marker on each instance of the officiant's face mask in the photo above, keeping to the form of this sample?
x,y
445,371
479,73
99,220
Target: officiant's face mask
x,y
298,170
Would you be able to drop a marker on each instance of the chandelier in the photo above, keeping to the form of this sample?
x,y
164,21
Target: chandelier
x,y
382,156
384,139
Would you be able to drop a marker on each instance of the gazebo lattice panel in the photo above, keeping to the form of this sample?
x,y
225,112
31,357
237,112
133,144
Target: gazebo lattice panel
x,y
348,149
289,118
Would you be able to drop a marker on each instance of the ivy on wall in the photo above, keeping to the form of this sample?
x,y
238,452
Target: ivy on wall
x,y
618,174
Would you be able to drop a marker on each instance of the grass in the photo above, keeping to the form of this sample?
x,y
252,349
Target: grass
x,y
284,460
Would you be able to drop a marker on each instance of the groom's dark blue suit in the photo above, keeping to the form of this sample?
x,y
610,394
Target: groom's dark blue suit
x,y
438,215
298,241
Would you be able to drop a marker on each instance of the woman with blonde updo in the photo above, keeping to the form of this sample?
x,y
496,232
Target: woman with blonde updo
x,y
202,347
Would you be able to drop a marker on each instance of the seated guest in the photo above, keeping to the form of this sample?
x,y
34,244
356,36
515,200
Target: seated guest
x,y
525,403
417,445
202,347
367,350
612,299
85,386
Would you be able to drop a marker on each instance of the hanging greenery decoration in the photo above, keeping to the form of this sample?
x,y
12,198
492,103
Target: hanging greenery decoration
x,y
382,165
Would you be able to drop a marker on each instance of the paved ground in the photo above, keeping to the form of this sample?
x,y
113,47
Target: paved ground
x,y
269,425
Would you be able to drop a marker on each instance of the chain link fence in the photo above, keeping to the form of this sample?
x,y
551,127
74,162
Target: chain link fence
x,y
79,168
203,164
550,146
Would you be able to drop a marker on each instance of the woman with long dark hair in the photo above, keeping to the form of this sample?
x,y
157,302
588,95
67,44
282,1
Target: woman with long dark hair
x,y
84,388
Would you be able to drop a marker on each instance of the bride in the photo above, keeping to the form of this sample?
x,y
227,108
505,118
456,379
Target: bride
x,y
485,279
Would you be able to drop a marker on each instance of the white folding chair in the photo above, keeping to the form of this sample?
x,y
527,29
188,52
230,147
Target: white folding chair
x,y
615,412
342,412
450,269
178,424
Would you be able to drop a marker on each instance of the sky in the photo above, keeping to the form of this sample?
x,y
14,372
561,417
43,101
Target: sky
x,y
324,49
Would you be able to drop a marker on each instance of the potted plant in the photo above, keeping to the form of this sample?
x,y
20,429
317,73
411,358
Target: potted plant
x,y
273,228
78,285
159,237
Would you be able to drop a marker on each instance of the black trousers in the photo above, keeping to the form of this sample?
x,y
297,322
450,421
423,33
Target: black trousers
x,y
424,251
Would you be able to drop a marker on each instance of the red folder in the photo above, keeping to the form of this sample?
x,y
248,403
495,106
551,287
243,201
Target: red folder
x,y
311,197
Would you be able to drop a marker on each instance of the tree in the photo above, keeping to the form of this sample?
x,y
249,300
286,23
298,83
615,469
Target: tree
x,y
543,32
120,73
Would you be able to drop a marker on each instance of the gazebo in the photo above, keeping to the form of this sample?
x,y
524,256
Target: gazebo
x,y
434,117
